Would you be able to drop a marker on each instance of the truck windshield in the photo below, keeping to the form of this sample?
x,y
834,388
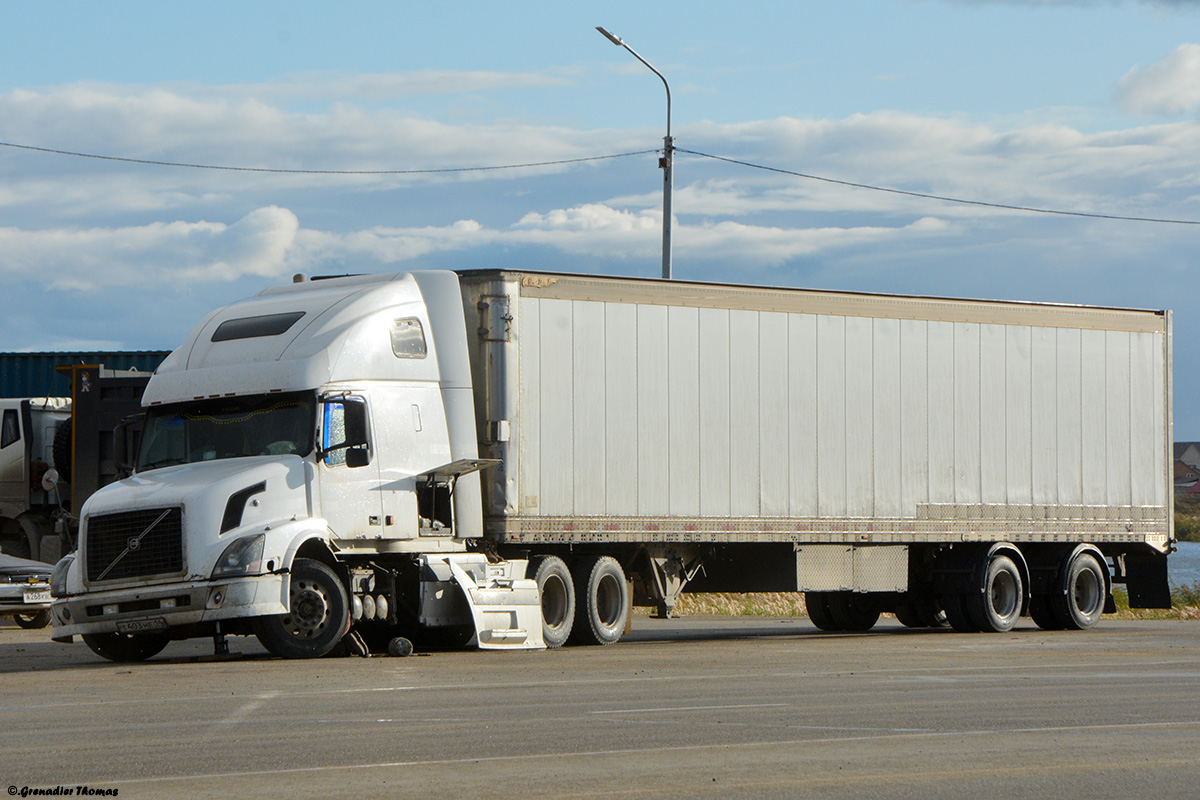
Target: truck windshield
x,y
229,427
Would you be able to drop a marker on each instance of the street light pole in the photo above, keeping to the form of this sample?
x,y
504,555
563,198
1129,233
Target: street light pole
x,y
666,162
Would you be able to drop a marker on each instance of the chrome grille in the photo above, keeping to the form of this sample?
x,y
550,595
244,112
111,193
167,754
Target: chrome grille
x,y
134,544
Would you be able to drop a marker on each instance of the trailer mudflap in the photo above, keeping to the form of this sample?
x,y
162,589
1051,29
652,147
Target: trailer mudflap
x,y
1146,580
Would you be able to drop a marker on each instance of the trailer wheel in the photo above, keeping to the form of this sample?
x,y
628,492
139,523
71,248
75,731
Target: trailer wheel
x,y
557,592
956,613
602,602
930,611
854,611
318,615
1081,602
906,615
817,604
38,619
998,607
1042,613
125,648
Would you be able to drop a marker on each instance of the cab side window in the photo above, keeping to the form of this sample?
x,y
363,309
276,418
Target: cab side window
x,y
334,432
10,430
344,432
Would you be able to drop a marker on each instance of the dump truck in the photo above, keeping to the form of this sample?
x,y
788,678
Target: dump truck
x,y
28,427
56,451
512,459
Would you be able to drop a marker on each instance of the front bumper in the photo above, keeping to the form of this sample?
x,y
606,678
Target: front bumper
x,y
165,606
19,598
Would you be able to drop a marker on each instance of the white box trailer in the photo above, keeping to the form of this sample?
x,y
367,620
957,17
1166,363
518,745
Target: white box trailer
x,y
312,462
867,436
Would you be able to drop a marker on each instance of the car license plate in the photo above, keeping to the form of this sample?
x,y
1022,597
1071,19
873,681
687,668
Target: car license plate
x,y
142,625
37,594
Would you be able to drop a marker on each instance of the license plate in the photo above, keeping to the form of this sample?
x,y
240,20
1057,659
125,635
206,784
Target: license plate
x,y
142,625
39,594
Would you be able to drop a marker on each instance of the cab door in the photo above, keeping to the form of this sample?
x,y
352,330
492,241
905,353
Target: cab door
x,y
348,473
14,473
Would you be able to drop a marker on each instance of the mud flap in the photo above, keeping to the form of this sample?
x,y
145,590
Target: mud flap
x,y
1146,580
507,615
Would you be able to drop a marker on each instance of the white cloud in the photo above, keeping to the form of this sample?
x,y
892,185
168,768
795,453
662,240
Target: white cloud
x,y
91,224
1168,87
391,85
158,124
190,252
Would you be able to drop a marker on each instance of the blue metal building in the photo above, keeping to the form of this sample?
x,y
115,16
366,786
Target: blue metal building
x,y
36,375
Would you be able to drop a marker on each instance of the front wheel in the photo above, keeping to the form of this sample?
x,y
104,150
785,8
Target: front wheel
x,y
38,619
125,648
318,614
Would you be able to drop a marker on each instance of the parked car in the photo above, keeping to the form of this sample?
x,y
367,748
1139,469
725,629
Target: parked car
x,y
25,591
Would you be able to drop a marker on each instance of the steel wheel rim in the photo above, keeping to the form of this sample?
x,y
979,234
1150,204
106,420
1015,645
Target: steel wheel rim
x,y
310,610
1004,595
554,601
1086,592
608,601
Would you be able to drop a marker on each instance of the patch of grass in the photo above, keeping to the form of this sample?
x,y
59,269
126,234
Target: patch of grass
x,y
1186,596
1187,517
1185,604
728,604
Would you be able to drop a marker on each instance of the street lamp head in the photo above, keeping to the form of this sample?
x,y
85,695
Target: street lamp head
x,y
614,39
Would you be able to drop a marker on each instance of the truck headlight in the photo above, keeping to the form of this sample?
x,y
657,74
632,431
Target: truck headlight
x,y
58,578
242,557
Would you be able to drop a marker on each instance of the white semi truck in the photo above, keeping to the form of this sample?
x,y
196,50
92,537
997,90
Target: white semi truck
x,y
512,458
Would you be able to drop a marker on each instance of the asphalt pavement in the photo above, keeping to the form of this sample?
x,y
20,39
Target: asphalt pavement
x,y
709,707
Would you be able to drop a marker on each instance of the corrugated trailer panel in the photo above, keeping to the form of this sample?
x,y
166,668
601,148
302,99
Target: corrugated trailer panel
x,y
715,415
671,407
620,384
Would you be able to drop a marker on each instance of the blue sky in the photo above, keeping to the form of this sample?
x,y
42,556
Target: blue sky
x,y
1081,106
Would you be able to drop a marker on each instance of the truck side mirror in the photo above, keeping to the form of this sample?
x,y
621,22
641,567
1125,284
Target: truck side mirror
x,y
356,424
357,457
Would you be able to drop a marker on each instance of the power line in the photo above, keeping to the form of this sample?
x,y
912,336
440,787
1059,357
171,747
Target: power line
x,y
320,171
942,198
562,162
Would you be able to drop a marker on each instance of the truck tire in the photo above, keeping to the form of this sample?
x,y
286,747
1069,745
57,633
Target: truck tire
x,y
61,450
998,607
930,611
125,648
817,604
38,619
853,611
318,614
557,592
906,615
1080,602
601,601
956,613
1042,613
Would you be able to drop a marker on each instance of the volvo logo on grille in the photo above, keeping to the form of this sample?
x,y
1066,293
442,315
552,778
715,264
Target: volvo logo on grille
x,y
134,543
